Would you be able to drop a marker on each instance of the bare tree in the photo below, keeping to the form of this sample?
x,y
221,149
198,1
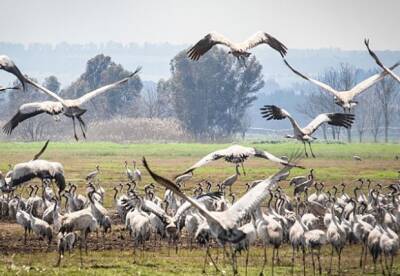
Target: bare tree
x,y
245,124
151,103
373,115
386,97
361,112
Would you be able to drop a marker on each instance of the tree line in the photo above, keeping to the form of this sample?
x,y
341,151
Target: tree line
x,y
208,100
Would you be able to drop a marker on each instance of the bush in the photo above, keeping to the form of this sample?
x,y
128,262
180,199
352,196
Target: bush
x,y
137,129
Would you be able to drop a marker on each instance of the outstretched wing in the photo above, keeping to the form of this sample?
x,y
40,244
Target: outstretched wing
x,y
105,88
377,60
30,110
8,65
264,38
365,84
273,158
37,156
336,119
45,90
253,198
206,43
175,189
318,83
201,199
213,156
3,89
272,112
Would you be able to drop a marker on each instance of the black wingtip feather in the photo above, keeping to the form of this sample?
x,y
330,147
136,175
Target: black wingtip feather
x,y
341,119
272,112
277,45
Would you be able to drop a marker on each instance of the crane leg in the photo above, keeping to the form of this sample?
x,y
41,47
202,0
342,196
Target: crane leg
x,y
247,259
292,260
82,126
330,262
80,251
319,261
340,254
304,261
73,122
26,230
362,256
277,256
313,262
312,153
265,260
273,261
205,262
305,149
383,269
244,172
211,258
365,257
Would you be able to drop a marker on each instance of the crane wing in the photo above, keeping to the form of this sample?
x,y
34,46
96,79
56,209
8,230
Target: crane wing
x,y
8,65
201,198
318,83
272,112
206,43
205,160
273,158
335,119
264,38
377,60
174,188
30,110
45,90
253,198
105,88
365,84
3,89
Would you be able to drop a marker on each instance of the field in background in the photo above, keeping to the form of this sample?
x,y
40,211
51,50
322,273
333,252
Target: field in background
x,y
334,164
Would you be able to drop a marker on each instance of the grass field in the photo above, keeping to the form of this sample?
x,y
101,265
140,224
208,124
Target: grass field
x,y
333,165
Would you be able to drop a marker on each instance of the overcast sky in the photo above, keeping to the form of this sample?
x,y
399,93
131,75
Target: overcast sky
x,y
298,23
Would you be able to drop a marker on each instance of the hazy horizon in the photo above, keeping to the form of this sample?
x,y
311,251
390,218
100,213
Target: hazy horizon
x,y
307,24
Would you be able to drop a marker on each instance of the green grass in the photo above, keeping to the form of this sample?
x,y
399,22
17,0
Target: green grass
x,y
337,151
166,262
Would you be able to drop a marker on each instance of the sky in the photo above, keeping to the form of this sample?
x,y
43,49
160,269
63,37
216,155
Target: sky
x,y
298,23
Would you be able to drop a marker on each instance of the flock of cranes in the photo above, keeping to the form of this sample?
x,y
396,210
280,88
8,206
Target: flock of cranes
x,y
311,218
306,222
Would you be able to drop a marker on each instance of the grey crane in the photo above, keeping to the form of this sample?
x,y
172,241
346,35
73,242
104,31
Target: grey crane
x,y
345,99
238,50
237,154
70,108
272,112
